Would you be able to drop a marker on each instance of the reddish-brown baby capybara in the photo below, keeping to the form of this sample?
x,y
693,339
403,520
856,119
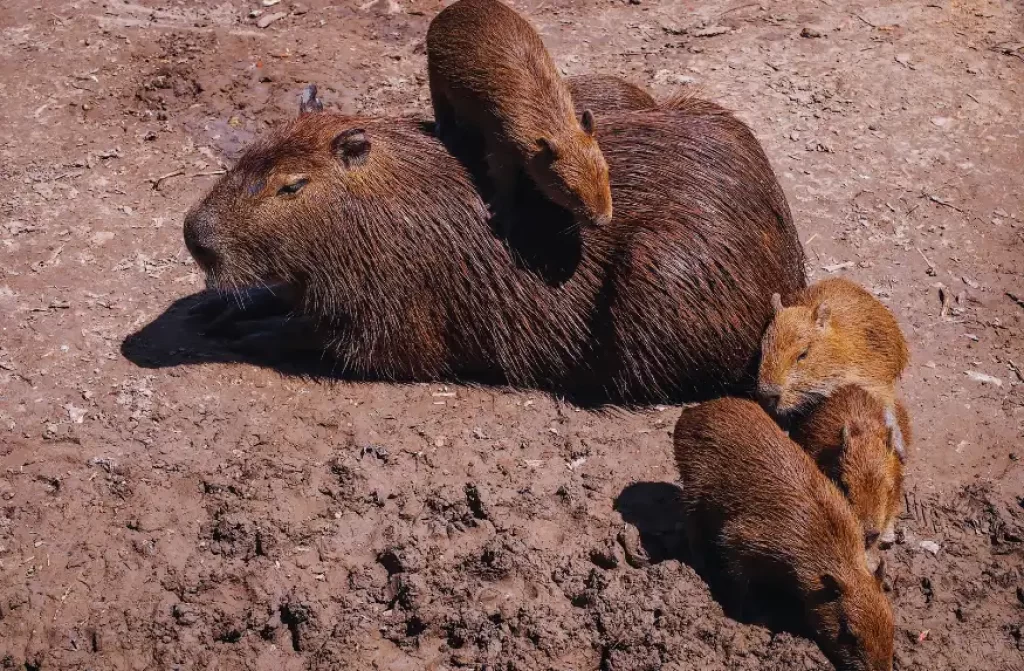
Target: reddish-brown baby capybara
x,y
833,333
757,502
607,93
385,246
491,76
860,443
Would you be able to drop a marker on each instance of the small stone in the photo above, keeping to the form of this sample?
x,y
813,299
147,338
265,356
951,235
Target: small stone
x,y
811,32
270,18
930,546
75,414
984,378
712,31
941,121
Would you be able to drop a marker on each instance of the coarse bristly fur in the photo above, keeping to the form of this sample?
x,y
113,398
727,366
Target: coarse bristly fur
x,y
383,238
832,334
861,445
491,76
608,94
755,499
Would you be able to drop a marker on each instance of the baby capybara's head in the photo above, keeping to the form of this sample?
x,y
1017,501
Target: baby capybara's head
x,y
801,359
860,443
853,621
572,170
872,477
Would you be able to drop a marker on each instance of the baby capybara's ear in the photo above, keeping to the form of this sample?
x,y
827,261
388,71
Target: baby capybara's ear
x,y
548,148
308,102
352,147
587,122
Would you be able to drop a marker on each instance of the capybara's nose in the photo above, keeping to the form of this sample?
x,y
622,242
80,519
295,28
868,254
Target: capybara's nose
x,y
603,219
769,395
198,238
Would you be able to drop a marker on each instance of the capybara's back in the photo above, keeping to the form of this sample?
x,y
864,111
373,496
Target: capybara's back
x,y
757,502
832,334
492,78
390,247
607,93
860,443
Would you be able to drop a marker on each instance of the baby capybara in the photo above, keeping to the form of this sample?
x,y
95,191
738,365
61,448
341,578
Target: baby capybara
x,y
833,333
606,93
491,77
757,502
860,443
385,243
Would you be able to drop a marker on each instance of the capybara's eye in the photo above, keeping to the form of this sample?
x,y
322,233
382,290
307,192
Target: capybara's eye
x,y
803,355
292,188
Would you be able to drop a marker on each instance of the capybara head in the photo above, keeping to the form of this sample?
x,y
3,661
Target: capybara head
x,y
802,358
859,443
571,170
298,201
853,620
249,229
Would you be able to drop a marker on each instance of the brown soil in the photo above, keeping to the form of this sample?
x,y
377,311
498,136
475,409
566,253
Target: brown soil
x,y
164,506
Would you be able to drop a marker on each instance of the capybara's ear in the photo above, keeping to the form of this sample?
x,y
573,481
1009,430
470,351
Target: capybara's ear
x,y
830,590
352,147
777,303
548,148
822,314
587,122
308,102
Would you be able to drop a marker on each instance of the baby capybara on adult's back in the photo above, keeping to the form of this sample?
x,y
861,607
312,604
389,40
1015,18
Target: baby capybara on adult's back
x,y
384,240
755,499
491,76
860,443
833,333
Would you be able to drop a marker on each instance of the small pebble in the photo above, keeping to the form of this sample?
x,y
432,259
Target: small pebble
x,y
270,18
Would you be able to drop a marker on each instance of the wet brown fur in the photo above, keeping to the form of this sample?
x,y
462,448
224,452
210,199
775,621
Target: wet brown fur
x,y
850,437
491,76
607,94
397,262
755,498
846,336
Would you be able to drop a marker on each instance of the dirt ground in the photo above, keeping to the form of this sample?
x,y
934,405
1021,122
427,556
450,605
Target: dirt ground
x,y
165,507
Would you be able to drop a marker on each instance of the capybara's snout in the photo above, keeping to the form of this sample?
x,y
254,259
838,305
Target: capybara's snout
x,y
199,237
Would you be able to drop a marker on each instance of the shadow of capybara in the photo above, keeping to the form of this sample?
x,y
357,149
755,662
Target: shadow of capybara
x,y
860,443
490,76
757,503
383,238
832,334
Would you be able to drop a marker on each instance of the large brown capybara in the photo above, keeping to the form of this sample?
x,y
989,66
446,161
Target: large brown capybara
x,y
384,245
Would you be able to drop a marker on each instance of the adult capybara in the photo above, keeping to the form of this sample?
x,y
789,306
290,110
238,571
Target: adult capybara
x,y
607,93
385,244
832,334
758,503
491,77
860,443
